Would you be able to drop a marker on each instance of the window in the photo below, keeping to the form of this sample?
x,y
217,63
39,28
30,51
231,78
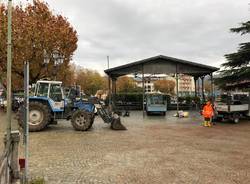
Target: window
x,y
156,99
42,89
55,92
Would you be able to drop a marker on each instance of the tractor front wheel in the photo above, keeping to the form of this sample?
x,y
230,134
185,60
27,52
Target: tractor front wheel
x,y
81,120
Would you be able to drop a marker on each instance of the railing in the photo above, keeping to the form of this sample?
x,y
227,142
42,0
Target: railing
x,y
4,168
128,105
9,170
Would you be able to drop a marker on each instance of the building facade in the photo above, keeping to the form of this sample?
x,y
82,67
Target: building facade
x,y
186,84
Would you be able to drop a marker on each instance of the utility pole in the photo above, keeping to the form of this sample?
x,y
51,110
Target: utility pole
x,y
108,61
9,63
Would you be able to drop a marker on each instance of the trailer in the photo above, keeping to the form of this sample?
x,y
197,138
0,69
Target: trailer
x,y
232,106
156,103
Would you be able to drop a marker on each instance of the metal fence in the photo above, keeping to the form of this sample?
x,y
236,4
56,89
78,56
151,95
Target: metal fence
x,y
5,168
9,169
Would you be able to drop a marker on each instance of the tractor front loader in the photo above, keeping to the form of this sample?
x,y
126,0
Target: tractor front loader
x,y
49,104
108,116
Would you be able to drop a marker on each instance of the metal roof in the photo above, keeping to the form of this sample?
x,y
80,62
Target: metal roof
x,y
162,65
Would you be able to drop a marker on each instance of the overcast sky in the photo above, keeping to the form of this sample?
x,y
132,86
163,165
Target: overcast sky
x,y
129,30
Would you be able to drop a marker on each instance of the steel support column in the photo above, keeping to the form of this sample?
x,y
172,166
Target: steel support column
x,y
109,92
115,89
195,86
177,89
198,87
113,86
212,87
109,83
143,91
177,92
113,95
202,89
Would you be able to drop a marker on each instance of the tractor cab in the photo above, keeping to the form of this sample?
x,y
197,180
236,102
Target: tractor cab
x,y
51,91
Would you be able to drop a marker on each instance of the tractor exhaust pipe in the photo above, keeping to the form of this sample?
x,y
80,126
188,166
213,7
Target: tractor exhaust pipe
x,y
116,123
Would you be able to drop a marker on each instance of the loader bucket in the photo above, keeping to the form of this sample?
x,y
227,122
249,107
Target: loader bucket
x,y
116,124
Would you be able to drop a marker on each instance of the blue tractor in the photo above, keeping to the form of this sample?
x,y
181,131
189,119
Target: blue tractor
x,y
50,104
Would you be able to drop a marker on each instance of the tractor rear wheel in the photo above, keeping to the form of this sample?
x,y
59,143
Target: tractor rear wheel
x,y
82,120
39,116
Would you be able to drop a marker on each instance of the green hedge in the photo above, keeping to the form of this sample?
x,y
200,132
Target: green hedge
x,y
131,97
137,97
189,99
133,101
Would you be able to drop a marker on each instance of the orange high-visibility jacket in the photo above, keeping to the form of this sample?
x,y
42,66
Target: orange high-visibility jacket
x,y
208,111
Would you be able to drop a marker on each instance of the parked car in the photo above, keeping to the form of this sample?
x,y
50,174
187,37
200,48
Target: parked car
x,y
3,102
17,100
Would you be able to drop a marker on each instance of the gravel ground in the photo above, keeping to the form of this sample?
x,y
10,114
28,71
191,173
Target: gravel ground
x,y
154,150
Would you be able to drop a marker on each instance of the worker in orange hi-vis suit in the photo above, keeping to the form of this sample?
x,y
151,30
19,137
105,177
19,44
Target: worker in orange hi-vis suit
x,y
207,113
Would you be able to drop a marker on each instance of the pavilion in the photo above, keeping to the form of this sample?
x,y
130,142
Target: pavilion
x,y
162,65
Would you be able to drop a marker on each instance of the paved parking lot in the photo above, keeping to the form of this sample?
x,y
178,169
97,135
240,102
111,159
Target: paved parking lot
x,y
153,150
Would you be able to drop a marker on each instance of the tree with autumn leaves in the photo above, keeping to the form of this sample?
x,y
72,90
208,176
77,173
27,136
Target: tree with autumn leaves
x,y
165,86
35,29
90,81
127,84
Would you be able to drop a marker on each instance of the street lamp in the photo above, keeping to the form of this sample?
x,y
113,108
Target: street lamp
x,y
58,59
46,57
56,56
